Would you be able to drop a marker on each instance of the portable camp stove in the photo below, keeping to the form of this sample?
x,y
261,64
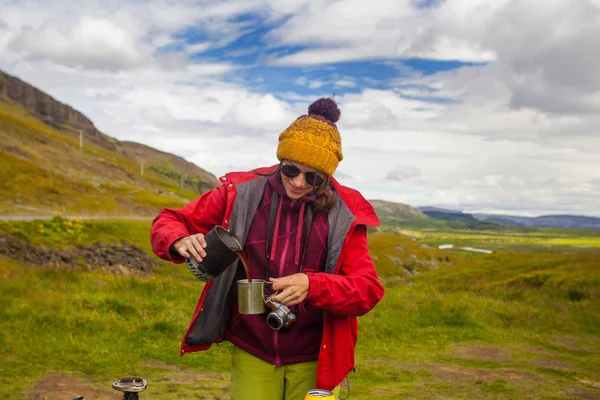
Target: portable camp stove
x,y
130,387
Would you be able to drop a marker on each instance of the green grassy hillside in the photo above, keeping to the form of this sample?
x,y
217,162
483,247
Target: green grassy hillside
x,y
393,215
452,324
43,171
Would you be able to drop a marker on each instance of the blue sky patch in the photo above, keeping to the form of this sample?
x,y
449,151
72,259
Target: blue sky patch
x,y
427,3
255,58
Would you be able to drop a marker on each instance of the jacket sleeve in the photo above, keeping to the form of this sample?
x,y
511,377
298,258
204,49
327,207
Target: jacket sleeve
x,y
198,216
356,289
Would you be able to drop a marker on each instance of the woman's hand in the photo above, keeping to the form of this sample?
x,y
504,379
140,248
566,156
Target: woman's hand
x,y
294,289
192,245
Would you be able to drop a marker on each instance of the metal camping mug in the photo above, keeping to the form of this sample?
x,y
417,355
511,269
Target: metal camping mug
x,y
251,296
319,394
221,250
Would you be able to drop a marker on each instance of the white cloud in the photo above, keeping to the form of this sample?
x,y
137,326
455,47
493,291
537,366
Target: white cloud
x,y
354,29
549,62
90,43
345,83
206,69
402,172
315,84
520,133
544,52
263,112
197,48
301,80
312,84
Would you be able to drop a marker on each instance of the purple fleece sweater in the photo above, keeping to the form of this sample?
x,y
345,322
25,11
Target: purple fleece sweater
x,y
301,341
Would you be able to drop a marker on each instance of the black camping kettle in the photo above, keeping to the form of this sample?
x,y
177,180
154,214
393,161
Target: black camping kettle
x,y
221,250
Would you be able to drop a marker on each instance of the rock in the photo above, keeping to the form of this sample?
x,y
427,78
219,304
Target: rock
x,y
51,111
121,258
395,260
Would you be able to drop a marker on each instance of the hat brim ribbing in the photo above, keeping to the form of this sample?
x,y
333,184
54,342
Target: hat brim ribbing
x,y
312,156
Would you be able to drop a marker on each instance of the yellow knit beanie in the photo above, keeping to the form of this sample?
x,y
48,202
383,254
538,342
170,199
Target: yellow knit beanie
x,y
313,139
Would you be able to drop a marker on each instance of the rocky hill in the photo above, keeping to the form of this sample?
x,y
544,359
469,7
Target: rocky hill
x,y
394,215
44,168
51,111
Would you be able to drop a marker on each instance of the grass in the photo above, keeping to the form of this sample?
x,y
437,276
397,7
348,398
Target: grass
x,y
540,308
510,325
43,170
508,238
95,324
41,191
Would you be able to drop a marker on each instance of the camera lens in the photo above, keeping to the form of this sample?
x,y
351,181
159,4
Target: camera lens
x,y
274,321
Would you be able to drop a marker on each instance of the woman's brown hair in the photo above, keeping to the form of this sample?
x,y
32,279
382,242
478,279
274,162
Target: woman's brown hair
x,y
324,194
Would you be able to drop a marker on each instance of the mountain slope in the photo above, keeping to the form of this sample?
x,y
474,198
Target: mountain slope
x,y
50,111
548,221
445,214
43,168
394,215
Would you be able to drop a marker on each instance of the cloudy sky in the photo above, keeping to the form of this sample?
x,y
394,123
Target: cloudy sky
x,y
478,105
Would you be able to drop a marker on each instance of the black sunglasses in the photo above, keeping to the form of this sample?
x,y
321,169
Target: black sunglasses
x,y
312,178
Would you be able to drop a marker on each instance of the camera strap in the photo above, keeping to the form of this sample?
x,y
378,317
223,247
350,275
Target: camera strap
x,y
271,230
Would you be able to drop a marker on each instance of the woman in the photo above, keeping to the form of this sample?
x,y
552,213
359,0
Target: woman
x,y
305,233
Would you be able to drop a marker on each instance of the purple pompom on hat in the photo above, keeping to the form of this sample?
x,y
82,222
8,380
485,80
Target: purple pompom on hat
x,y
326,108
313,139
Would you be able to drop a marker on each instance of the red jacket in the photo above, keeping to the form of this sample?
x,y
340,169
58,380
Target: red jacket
x,y
348,288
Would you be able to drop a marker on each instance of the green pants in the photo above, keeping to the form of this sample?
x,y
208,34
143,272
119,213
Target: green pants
x,y
255,379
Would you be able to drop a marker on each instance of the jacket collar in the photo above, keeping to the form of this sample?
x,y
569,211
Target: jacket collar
x,y
356,203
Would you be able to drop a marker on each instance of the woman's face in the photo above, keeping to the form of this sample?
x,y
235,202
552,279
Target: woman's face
x,y
296,187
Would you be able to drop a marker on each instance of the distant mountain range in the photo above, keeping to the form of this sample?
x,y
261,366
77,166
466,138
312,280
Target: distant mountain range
x,y
544,221
549,221
446,215
399,215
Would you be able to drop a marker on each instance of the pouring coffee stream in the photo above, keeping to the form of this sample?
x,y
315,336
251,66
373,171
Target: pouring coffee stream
x,y
244,260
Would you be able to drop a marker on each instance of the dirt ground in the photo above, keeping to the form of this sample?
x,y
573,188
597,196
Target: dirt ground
x,y
451,372
480,352
211,386
65,388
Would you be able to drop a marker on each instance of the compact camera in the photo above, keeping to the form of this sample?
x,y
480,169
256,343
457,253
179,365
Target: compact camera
x,y
280,317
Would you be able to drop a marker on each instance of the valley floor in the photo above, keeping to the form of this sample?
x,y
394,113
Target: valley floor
x,y
452,325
